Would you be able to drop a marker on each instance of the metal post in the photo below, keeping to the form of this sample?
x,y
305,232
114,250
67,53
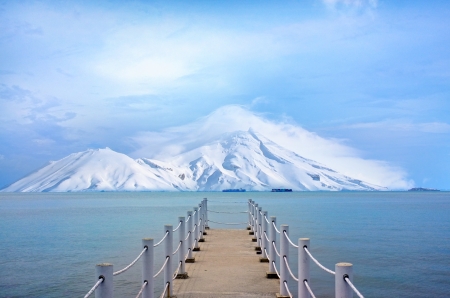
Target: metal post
x,y
105,289
272,254
190,240
168,250
196,247
255,226
303,268
206,214
182,234
259,230
342,288
284,252
147,268
263,237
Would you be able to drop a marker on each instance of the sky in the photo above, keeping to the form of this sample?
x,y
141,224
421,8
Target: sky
x,y
368,81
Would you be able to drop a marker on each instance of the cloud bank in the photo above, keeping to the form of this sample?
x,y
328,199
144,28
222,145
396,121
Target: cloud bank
x,y
332,152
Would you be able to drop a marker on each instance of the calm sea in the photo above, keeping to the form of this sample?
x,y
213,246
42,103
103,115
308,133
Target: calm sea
x,y
398,242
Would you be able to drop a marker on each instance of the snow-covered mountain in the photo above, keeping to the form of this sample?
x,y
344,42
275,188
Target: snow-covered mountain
x,y
237,160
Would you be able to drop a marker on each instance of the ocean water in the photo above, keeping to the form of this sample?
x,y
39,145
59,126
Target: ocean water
x,y
398,242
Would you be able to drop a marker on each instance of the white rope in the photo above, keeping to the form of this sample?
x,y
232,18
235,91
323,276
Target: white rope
x,y
160,270
265,217
176,272
165,289
353,287
100,280
132,263
267,255
317,262
189,217
227,212
228,223
179,225
194,212
195,227
275,267
189,233
309,289
142,289
167,233
289,269
273,223
287,289
265,235
179,245
186,256
274,246
292,243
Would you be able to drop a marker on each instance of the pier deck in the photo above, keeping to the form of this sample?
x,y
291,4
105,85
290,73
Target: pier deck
x,y
226,266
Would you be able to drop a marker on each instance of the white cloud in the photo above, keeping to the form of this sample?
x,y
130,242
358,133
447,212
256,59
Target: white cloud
x,y
400,125
351,3
331,152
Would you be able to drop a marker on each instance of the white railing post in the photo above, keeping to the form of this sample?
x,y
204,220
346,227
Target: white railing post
x,y
263,238
182,234
147,268
168,250
272,255
206,214
303,268
342,288
105,289
249,210
190,240
255,227
196,247
284,252
259,229
200,225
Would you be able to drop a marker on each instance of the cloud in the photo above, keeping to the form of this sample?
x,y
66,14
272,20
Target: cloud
x,y
350,3
331,152
400,125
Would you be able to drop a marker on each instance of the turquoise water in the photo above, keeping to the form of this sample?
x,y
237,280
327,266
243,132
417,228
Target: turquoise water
x,y
398,242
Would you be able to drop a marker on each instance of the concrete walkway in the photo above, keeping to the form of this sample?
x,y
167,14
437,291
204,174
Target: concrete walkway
x,y
226,266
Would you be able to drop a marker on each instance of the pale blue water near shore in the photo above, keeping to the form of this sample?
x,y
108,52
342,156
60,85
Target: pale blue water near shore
x,y
399,242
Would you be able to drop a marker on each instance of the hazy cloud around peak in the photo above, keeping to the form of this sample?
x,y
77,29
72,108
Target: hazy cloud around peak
x,y
331,152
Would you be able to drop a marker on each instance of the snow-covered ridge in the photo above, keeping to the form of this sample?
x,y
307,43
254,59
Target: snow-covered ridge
x,y
237,160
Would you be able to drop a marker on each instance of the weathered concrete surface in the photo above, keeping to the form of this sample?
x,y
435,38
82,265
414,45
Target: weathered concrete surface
x,y
226,266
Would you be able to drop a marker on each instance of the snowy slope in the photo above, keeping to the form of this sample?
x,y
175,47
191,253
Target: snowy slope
x,y
242,159
97,170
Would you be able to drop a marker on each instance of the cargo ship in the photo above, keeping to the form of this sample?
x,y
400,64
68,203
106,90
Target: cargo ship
x,y
281,190
234,190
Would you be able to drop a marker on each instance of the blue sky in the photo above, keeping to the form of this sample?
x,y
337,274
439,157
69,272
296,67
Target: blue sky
x,y
369,74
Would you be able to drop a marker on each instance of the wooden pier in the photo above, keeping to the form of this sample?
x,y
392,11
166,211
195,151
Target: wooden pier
x,y
226,266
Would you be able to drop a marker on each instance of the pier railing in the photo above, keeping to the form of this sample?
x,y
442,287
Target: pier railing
x,y
196,222
191,231
266,231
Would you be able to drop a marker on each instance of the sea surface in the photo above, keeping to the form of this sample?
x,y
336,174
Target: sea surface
x,y
398,242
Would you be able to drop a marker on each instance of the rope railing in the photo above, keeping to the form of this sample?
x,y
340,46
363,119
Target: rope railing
x,y
132,263
265,217
176,250
289,269
160,270
187,254
289,239
178,269
187,237
275,267
275,226
265,235
276,251
165,235
100,280
142,289
165,290
287,289
353,287
228,223
179,225
317,262
189,217
238,212
309,288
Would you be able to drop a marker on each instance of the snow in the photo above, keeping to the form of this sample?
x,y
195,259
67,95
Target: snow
x,y
242,159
